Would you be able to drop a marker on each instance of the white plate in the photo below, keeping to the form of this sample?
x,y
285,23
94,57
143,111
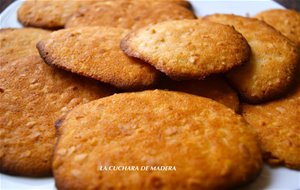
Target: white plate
x,y
270,179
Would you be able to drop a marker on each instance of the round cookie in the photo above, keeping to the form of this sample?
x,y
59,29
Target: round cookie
x,y
32,97
207,143
188,49
17,43
277,124
128,14
214,87
285,21
95,52
272,65
49,14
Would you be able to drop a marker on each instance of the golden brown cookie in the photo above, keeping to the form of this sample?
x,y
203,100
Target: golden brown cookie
x,y
277,124
214,87
95,52
188,49
184,3
285,21
49,14
209,145
32,97
17,43
128,14
272,65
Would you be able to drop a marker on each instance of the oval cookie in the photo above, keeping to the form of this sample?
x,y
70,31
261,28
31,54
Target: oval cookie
x,y
49,14
128,14
32,97
285,21
214,87
209,146
272,65
17,43
95,52
277,124
188,49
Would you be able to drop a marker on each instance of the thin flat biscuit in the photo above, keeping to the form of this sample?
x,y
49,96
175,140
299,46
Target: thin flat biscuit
x,y
210,146
49,14
273,63
188,49
32,97
214,87
17,43
128,14
285,21
95,52
277,124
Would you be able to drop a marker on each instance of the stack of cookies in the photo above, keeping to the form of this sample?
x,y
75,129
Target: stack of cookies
x,y
127,94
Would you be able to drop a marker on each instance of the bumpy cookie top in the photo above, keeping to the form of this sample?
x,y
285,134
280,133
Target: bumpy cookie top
x,y
130,14
95,52
272,65
188,49
18,43
49,14
277,124
32,97
210,146
285,21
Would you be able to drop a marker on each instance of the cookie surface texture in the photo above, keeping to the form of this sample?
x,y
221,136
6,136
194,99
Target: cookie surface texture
x,y
285,21
215,88
272,65
128,14
32,97
18,43
95,52
277,124
188,49
49,14
209,145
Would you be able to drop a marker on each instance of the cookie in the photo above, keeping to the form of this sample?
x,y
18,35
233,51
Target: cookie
x,y
272,65
200,144
17,43
214,87
277,124
32,97
95,52
128,14
184,3
188,49
49,14
285,21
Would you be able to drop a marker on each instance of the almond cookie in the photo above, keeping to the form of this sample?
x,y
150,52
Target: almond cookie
x,y
186,141
285,21
49,14
32,97
128,14
272,65
17,43
277,124
188,49
95,52
214,87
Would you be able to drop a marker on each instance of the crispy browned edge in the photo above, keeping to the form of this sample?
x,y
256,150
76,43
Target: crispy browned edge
x,y
49,60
